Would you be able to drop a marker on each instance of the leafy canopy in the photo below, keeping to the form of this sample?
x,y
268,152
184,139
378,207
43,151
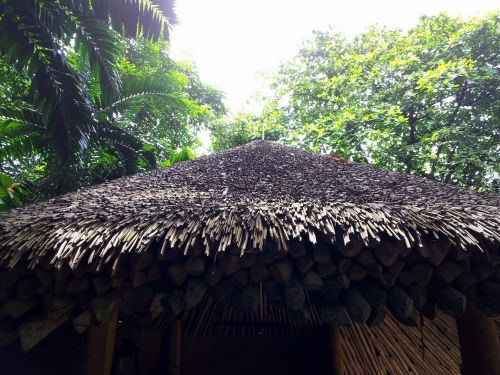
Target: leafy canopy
x,y
425,101
88,92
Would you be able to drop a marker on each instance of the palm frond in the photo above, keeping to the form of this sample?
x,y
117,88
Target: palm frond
x,y
135,17
128,146
18,139
102,49
56,87
135,102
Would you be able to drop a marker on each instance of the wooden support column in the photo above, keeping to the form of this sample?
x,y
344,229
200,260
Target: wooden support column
x,y
478,343
174,343
101,347
337,355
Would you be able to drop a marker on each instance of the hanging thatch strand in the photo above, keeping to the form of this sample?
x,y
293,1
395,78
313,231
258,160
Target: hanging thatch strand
x,y
326,240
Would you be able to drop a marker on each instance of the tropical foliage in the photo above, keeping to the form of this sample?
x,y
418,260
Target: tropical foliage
x,y
425,101
9,193
88,93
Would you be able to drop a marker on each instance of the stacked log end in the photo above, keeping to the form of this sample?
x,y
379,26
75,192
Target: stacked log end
x,y
346,283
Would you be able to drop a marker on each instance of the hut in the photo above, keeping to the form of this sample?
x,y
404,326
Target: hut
x,y
259,259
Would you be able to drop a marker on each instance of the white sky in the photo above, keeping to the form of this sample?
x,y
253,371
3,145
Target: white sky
x,y
231,41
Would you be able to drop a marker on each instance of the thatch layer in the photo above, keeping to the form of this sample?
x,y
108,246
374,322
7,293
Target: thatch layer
x,y
251,197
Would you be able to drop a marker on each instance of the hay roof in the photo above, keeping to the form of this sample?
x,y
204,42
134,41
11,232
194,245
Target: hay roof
x,y
252,196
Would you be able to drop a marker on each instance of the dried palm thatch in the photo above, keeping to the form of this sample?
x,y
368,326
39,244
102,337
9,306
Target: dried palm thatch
x,y
258,221
248,197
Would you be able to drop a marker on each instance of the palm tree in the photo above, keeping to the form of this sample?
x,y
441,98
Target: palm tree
x,y
69,49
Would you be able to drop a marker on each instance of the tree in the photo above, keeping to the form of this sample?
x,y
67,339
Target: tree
x,y
162,105
68,52
425,101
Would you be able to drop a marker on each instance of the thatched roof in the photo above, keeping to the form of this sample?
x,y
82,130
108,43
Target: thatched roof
x,y
251,196
328,240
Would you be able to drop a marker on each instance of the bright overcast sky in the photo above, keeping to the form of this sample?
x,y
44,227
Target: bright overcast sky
x,y
231,41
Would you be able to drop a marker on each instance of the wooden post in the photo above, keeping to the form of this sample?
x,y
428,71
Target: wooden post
x,y
101,347
337,355
478,343
174,348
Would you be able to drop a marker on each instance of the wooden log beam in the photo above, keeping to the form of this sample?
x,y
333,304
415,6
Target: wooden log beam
x,y
83,321
101,346
438,251
247,300
104,305
274,293
176,273
8,332
448,298
156,307
313,282
326,270
337,354
248,260
34,330
304,264
174,348
194,292
137,278
295,296
297,249
222,290
17,307
331,291
154,272
281,271
212,276
357,272
366,258
375,296
400,304
336,315
479,343
259,273
449,271
229,264
101,284
321,253
142,260
195,266
488,297
387,253
359,309
422,274
240,278
376,318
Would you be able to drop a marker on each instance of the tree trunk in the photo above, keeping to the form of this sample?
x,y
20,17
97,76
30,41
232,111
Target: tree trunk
x,y
478,343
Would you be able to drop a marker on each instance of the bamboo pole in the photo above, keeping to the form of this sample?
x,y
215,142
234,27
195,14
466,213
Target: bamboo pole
x,y
478,343
101,347
174,348
337,355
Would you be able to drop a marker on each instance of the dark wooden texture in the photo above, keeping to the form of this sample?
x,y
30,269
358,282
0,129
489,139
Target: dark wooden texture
x,y
269,355
479,343
101,347
336,351
174,348
62,352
